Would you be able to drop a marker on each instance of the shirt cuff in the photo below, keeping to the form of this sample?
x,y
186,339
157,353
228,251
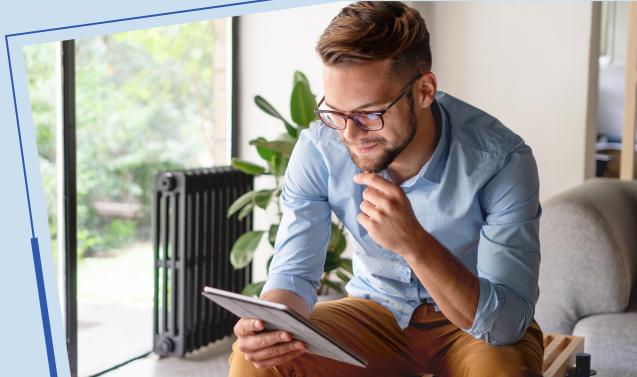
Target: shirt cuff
x,y
303,288
502,317
489,308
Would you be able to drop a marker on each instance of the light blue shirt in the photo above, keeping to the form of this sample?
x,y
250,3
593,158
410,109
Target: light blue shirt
x,y
478,195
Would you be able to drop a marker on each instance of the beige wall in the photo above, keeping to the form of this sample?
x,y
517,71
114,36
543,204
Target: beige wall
x,y
272,46
528,64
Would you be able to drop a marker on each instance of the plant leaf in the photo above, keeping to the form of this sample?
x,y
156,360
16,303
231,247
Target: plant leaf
x,y
332,285
241,202
292,131
340,247
332,262
286,137
342,276
282,146
265,106
246,211
267,265
279,164
278,190
243,250
274,228
302,105
247,167
253,289
346,264
300,77
265,153
335,237
262,198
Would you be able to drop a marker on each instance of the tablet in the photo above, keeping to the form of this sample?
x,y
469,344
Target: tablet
x,y
280,317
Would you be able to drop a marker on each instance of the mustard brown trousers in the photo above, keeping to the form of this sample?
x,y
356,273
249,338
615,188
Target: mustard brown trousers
x,y
430,344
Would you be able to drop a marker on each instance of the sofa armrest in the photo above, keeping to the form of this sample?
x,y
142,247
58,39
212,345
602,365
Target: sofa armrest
x,y
588,238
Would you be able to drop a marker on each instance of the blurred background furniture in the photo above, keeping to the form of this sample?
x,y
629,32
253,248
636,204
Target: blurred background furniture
x,y
608,155
560,354
588,236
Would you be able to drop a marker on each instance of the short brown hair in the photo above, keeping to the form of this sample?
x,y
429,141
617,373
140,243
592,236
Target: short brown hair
x,y
371,31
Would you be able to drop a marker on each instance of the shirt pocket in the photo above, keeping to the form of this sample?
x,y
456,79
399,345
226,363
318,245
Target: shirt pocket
x,y
384,268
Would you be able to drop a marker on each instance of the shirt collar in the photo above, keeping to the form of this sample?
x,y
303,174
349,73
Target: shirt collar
x,y
433,169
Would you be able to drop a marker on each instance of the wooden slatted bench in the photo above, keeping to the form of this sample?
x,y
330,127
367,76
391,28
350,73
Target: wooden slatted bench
x,y
559,354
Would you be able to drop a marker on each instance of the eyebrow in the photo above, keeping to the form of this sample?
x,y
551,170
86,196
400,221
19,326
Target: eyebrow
x,y
369,104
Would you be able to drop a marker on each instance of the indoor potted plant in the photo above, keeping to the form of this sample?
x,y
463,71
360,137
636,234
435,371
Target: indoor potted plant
x,y
276,154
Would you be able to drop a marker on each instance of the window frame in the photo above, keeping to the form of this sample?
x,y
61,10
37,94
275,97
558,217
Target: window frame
x,y
69,184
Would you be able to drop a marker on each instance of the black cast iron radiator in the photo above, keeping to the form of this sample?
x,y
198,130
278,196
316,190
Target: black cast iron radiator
x,y
192,239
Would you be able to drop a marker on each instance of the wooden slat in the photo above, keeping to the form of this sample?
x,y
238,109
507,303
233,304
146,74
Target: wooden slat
x,y
627,168
547,339
566,358
554,350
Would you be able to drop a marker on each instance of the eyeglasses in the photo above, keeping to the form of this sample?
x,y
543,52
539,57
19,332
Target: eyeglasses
x,y
365,120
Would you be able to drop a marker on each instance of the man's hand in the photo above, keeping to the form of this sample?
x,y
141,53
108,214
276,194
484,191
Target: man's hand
x,y
390,221
388,216
266,349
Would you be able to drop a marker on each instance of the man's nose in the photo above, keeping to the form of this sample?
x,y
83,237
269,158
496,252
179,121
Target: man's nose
x,y
352,132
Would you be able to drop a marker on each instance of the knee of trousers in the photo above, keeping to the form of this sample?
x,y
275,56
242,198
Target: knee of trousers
x,y
500,367
506,372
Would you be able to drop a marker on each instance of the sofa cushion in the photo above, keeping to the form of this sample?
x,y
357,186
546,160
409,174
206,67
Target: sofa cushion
x,y
611,339
588,241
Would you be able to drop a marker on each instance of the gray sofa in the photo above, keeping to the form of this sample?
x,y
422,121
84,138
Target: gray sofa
x,y
588,238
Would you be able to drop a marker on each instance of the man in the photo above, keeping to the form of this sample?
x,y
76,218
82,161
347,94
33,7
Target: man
x,y
441,201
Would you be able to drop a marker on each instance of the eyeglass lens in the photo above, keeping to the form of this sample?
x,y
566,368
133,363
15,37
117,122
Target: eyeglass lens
x,y
365,121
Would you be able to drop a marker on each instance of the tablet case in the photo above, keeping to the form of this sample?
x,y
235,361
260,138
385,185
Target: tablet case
x,y
280,317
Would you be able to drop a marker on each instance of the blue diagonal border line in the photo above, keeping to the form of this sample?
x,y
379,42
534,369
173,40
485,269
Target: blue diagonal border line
x,y
35,248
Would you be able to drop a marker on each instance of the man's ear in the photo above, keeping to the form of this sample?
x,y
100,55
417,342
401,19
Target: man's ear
x,y
427,85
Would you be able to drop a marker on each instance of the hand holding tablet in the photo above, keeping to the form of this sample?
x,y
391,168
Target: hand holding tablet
x,y
281,319
266,349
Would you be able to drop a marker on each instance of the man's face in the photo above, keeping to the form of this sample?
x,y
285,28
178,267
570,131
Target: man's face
x,y
368,88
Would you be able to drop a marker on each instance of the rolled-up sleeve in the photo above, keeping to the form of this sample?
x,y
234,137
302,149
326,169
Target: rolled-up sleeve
x,y
301,241
509,251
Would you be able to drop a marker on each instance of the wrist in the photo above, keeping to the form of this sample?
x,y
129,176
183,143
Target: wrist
x,y
421,241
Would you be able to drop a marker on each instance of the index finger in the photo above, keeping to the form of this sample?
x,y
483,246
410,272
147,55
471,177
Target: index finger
x,y
247,326
374,181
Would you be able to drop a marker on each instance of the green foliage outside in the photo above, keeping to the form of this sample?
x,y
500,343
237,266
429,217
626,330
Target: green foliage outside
x,y
39,64
276,154
144,102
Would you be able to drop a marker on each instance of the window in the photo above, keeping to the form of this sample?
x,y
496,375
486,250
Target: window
x,y
142,101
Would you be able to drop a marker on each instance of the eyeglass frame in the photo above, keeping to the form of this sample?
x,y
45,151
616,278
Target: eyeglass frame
x,y
351,116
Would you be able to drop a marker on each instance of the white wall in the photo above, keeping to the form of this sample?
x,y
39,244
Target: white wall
x,y
272,46
528,65
525,63
612,73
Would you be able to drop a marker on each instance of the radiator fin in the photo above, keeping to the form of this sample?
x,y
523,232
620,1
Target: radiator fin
x,y
192,239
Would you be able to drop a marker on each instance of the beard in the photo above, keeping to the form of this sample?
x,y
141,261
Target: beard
x,y
389,151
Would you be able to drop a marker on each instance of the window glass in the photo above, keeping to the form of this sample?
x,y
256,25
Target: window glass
x,y
146,100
